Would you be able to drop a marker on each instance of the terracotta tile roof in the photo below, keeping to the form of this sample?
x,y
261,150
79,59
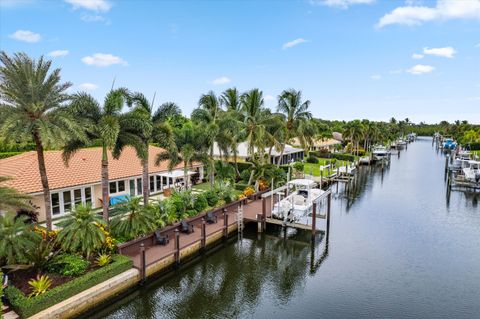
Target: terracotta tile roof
x,y
84,168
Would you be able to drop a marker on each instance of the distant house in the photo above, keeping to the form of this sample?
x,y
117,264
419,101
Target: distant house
x,y
290,154
80,182
319,144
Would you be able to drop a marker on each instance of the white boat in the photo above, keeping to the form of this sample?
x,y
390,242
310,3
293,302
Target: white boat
x,y
301,194
380,153
461,161
401,142
472,172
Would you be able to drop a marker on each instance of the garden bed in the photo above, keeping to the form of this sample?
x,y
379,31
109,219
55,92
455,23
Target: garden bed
x,y
70,286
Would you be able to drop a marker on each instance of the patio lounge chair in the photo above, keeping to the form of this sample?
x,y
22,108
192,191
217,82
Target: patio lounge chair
x,y
210,218
186,228
160,239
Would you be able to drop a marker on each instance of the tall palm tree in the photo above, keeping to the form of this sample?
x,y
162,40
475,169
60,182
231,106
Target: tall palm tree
x,y
11,200
32,109
354,131
103,126
230,98
208,113
151,125
189,147
255,122
296,114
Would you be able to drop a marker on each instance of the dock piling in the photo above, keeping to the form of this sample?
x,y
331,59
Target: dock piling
x,y
314,221
204,234
143,262
177,247
225,224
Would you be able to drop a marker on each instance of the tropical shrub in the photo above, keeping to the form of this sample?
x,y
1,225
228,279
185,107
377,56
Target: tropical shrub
x,y
201,203
26,307
68,265
41,256
191,213
263,184
249,191
312,159
298,166
103,260
134,220
211,197
81,232
225,191
343,157
245,175
16,239
40,285
225,171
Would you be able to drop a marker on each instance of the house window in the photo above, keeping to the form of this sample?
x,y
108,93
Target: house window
x,y
67,201
117,187
77,197
64,202
132,187
113,187
88,195
139,186
159,183
152,183
55,204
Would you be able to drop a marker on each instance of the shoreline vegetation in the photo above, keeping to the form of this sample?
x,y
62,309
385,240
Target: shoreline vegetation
x,y
49,264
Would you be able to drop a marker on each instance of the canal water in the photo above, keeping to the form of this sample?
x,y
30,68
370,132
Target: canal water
x,y
397,248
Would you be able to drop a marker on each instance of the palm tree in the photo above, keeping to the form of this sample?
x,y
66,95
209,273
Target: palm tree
x,y
134,219
16,238
103,126
189,147
230,98
31,109
208,112
255,122
11,200
151,125
296,114
81,231
354,132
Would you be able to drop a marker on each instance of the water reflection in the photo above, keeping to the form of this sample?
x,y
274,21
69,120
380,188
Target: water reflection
x,y
232,280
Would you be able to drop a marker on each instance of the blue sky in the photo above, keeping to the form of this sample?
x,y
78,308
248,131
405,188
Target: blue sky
x,y
352,58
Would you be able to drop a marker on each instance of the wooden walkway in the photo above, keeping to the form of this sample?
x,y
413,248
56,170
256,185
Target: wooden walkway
x,y
156,253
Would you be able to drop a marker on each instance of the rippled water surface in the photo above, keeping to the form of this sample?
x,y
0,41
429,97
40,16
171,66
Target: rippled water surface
x,y
397,249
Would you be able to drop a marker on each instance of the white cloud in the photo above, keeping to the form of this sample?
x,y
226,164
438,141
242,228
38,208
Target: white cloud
x,y
417,56
421,69
26,36
343,4
88,86
93,5
221,80
269,98
58,53
376,77
293,43
444,10
447,52
103,60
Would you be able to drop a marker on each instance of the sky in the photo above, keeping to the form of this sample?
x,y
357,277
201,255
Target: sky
x,y
351,58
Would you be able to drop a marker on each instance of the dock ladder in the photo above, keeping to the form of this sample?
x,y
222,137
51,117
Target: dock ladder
x,y
240,221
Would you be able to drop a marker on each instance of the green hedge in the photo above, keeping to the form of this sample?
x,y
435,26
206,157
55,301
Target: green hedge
x,y
343,157
8,154
26,307
16,147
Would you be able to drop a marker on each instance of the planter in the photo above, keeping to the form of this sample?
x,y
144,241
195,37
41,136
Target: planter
x,y
167,192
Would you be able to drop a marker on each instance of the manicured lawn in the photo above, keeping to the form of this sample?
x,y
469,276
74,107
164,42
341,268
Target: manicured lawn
x,y
315,168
